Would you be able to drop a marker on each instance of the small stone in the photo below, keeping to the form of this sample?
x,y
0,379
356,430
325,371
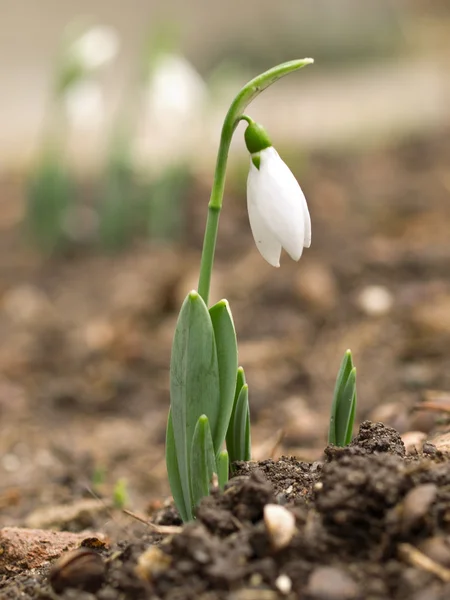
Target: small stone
x,y
280,525
26,305
442,442
82,569
416,504
330,583
316,285
428,448
10,462
152,562
413,440
254,594
375,300
98,335
284,584
438,549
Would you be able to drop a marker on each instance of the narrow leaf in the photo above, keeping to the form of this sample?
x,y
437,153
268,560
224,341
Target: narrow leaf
x,y
248,439
203,462
194,381
341,380
223,465
240,425
345,408
351,421
240,381
227,357
174,475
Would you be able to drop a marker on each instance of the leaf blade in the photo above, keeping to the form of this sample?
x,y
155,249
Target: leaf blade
x,y
174,475
223,466
227,358
194,380
341,379
240,381
345,408
203,463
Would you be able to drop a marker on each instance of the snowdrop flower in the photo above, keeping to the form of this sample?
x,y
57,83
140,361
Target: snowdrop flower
x,y
277,209
176,88
84,104
95,48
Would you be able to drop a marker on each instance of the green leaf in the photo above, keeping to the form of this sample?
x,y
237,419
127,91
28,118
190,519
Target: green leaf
x,y
351,413
240,381
194,381
203,461
341,380
174,475
223,465
50,194
248,439
227,356
344,409
240,427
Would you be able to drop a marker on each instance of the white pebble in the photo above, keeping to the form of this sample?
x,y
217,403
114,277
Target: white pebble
x,y
284,584
11,463
280,525
375,300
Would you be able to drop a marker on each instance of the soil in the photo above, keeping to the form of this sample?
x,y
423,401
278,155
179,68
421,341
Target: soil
x,y
84,394
369,522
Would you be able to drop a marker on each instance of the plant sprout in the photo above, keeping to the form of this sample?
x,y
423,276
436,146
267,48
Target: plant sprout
x,y
208,392
343,408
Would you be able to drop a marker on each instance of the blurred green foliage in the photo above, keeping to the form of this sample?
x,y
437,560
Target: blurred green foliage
x,y
126,203
51,191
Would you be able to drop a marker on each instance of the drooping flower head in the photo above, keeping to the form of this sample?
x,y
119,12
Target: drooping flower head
x,y
277,209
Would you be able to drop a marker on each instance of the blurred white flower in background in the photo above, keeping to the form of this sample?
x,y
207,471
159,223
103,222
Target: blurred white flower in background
x,y
175,98
176,88
96,48
84,104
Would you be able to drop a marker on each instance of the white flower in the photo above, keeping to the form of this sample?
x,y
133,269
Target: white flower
x,y
84,104
277,209
175,88
97,47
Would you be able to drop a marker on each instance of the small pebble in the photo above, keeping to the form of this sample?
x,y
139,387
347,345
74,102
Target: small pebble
x,y
438,549
375,300
416,504
152,562
330,583
284,584
413,440
280,525
428,448
82,569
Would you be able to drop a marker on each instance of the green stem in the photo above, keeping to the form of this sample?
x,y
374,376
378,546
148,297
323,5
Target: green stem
x,y
235,113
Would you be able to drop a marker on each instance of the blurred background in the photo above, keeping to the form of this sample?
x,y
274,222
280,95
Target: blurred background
x,y
110,119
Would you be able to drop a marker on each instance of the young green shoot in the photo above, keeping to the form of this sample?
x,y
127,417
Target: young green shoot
x,y
343,408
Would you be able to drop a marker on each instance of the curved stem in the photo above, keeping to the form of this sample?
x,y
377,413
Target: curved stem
x,y
235,113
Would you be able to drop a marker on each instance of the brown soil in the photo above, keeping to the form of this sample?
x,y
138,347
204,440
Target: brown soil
x,y
84,354
370,522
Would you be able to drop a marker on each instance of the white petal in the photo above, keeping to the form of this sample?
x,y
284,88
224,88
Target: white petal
x,y
84,104
176,88
307,217
282,203
266,242
97,46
